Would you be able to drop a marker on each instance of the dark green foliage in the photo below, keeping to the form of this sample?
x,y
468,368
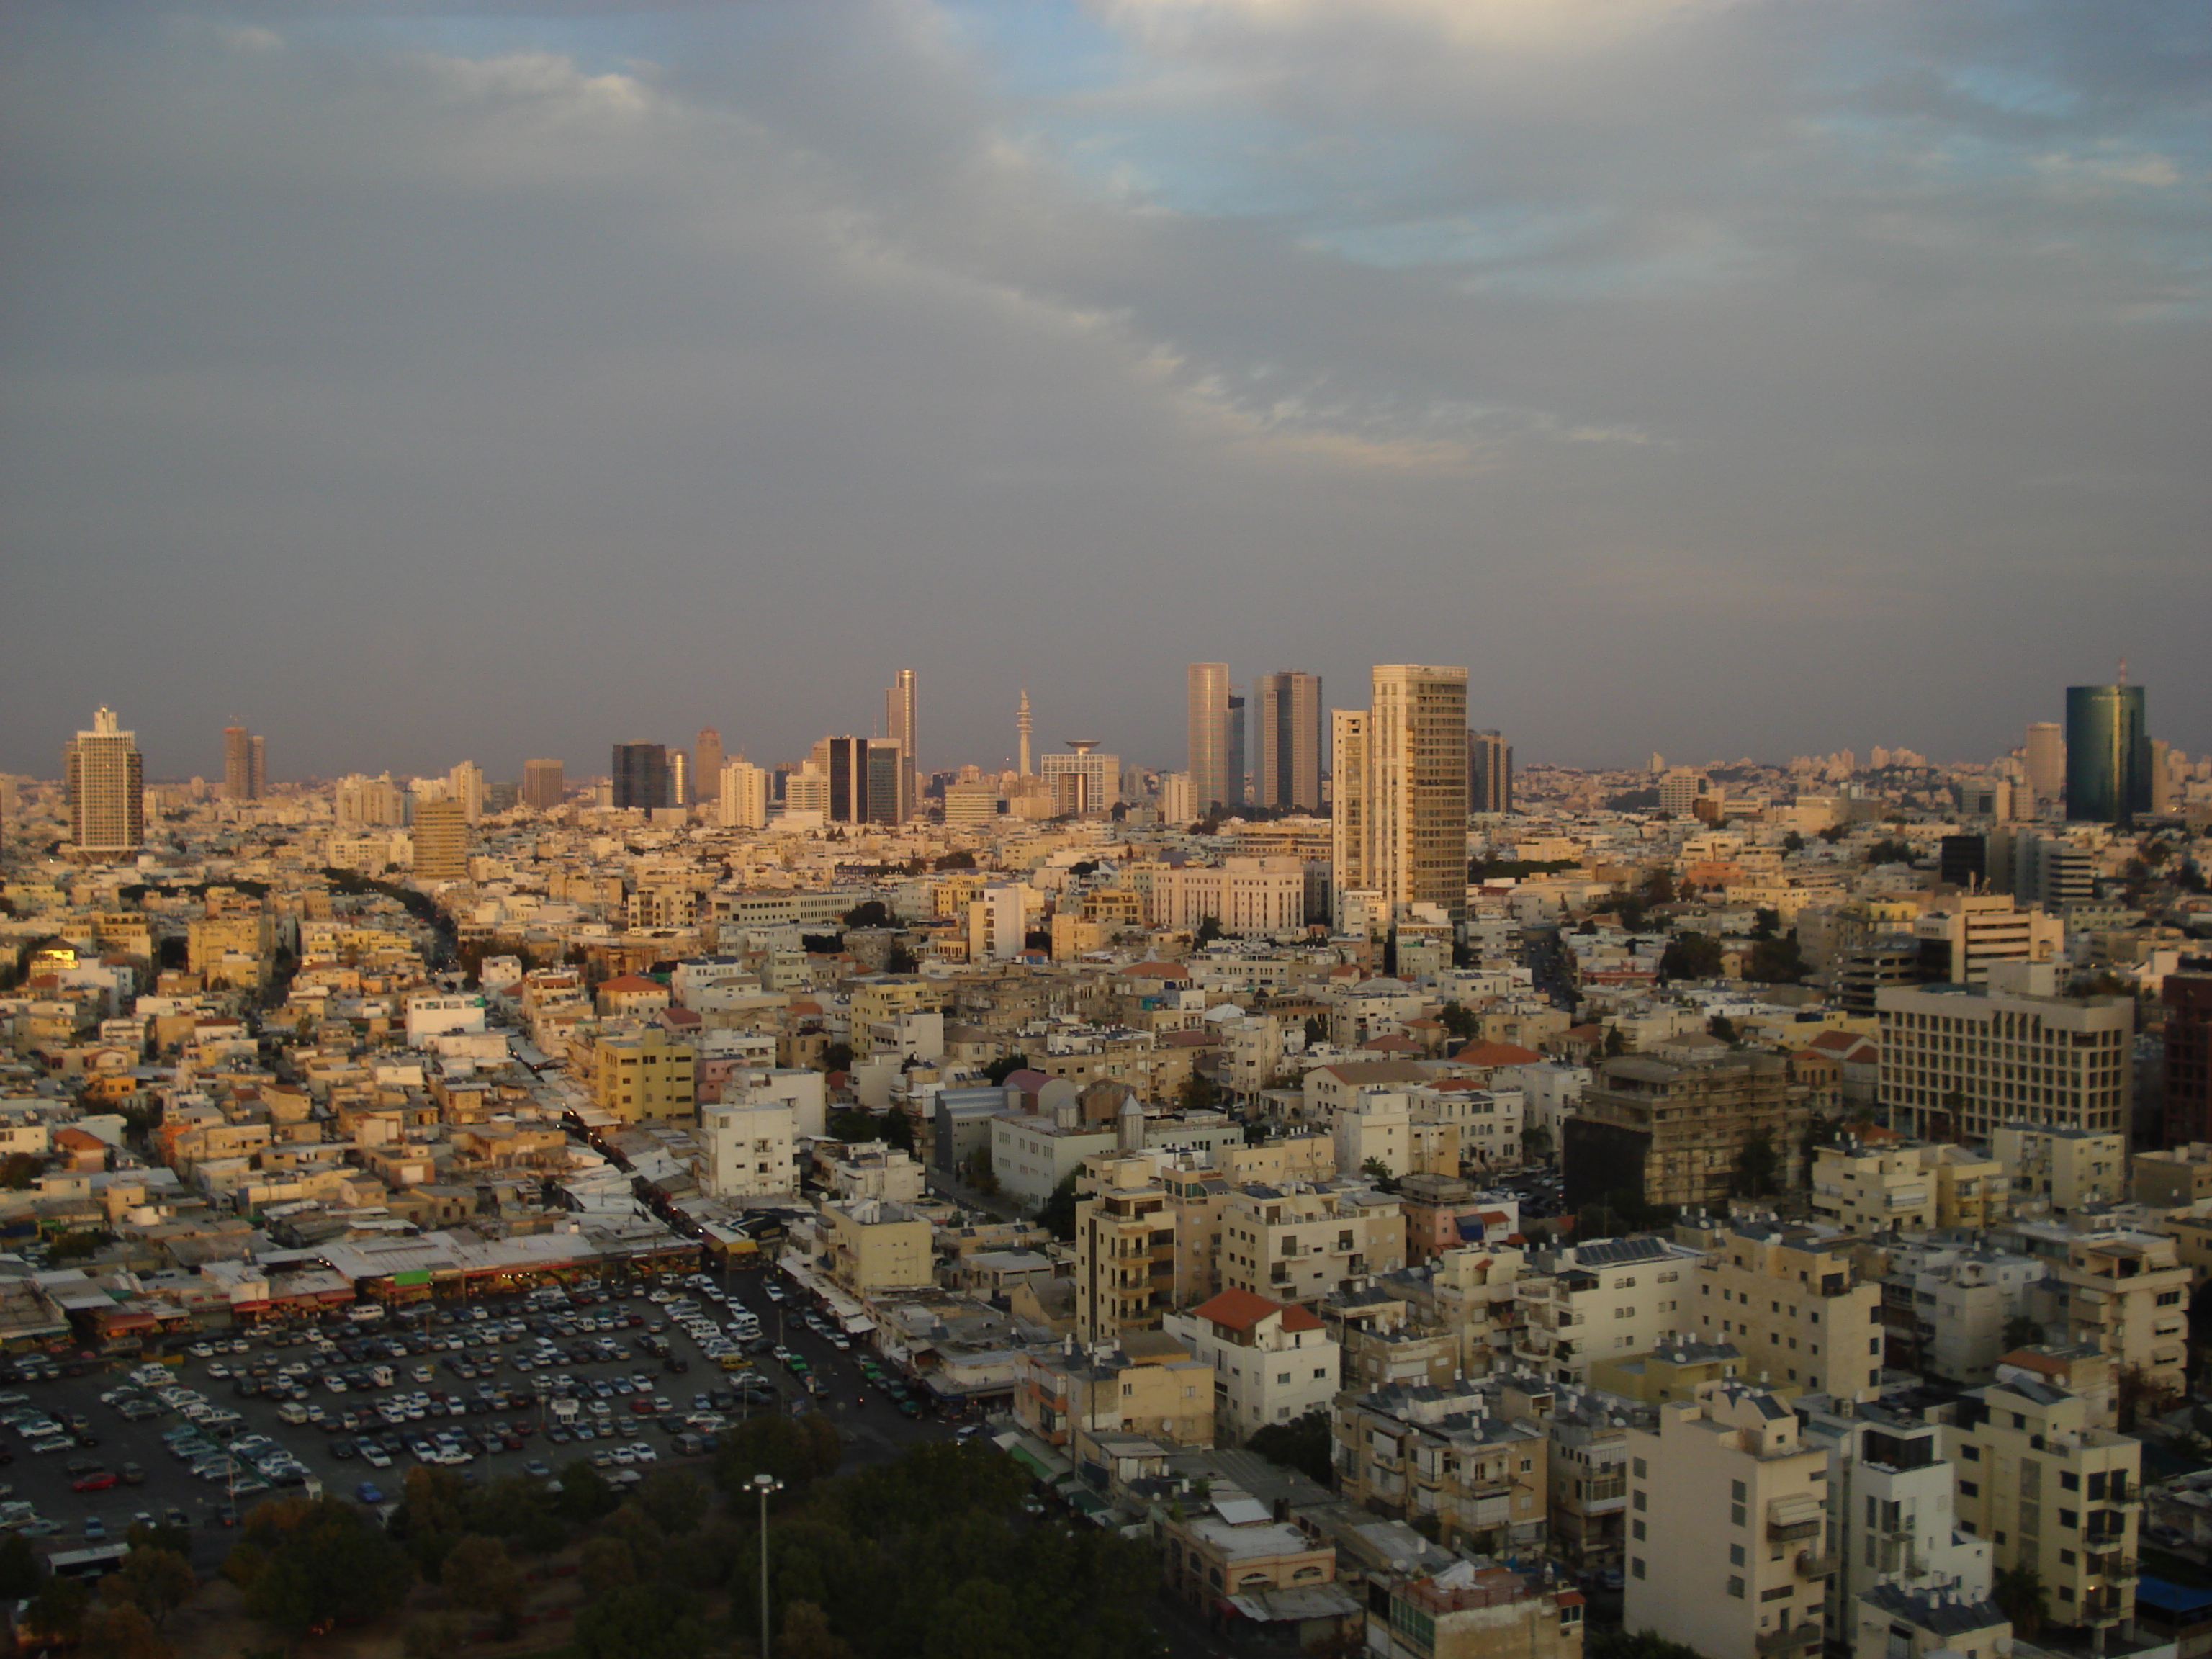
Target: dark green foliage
x,y
1459,1021
642,1621
1759,1169
958,858
1622,1213
1302,1445
1691,956
1057,1213
22,1572
1890,850
998,1071
1616,1642
1722,1027
798,1451
1479,870
321,1562
901,959
1776,962
869,913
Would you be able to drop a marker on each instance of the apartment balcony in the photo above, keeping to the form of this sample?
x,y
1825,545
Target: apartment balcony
x,y
1789,1640
1817,1563
1781,1531
1601,1491
2110,1563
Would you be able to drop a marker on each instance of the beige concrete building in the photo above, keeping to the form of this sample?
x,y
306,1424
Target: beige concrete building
x,y
2127,1295
1152,1386
2052,1493
2172,1179
1961,1062
1273,1362
1471,1612
1125,1249
1727,1522
1801,1306
1611,1299
1910,1188
1969,933
1299,1245
1406,762
2065,1168
874,1247
1233,1546
639,1072
1471,1461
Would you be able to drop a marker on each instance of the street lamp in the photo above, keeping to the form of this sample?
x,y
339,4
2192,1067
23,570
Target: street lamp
x,y
764,1483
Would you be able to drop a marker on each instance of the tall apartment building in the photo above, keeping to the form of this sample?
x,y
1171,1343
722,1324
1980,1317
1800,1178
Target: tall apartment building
x,y
1727,1523
442,841
2107,754
863,777
2045,764
1958,1062
464,783
1207,727
2187,998
244,757
640,776
741,795
707,758
1677,1133
1125,1251
1239,775
1489,772
1290,741
543,785
2053,1493
1405,836
104,777
1350,843
2125,1294
1946,1308
902,726
640,1072
1794,1303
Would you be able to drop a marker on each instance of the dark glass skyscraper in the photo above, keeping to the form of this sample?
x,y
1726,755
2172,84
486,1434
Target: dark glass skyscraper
x,y
641,775
2107,754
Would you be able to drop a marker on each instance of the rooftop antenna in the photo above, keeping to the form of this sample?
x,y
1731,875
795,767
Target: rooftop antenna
x,y
2124,670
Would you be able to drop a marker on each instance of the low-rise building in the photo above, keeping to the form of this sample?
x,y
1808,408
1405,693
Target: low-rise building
x,y
1273,1362
1801,1305
1472,1611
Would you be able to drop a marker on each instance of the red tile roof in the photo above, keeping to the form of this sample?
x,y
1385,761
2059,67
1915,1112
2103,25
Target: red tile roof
x,y
1242,1309
630,984
1483,1052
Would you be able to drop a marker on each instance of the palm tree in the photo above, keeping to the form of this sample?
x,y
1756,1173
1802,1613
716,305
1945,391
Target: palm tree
x,y
2021,1596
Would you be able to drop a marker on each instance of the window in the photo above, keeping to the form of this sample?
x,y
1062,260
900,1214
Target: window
x,y
1735,1587
1636,1499
1874,1345
2070,1518
1969,1489
1971,1453
1636,1566
1636,1467
1735,1555
2070,1481
1636,1530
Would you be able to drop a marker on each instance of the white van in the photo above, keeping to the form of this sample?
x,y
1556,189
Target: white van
x,y
292,1412
744,1324
380,1375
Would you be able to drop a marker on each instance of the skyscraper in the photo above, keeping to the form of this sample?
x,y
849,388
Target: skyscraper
x,y
466,784
1238,769
2046,762
1086,782
1290,742
679,778
2107,754
1348,846
105,777
706,764
863,778
1207,717
243,757
1489,772
901,725
641,776
543,786
743,803
442,841
1405,776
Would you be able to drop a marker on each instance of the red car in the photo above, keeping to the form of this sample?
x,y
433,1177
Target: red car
x,y
94,1480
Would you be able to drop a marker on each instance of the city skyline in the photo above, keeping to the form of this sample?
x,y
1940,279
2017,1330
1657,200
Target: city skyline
x,y
1859,393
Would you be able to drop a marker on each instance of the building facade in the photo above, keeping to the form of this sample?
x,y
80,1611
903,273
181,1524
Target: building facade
x,y
104,778
1290,742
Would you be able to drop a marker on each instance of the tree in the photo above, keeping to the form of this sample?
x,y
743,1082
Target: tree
x,y
584,1494
996,1071
440,1635
1793,842
1765,923
1616,1642
22,1572
1316,1031
483,1577
1722,1027
642,1621
2020,1595
1759,1166
1056,1215
2021,1331
869,913
1535,1143
1460,1022
806,1634
675,1501
837,1057
795,1450
1616,1045
901,960
1198,1092
1691,956
1890,850
156,1582
2139,1396
1379,1172
326,1563
56,1611
1776,962
1302,1444
1209,929
116,1630
19,1169
959,859
605,1565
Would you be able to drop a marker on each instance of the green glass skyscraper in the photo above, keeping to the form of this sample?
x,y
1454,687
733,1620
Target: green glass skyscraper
x,y
2107,754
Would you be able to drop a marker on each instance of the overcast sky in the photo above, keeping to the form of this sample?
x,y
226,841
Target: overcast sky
x,y
442,380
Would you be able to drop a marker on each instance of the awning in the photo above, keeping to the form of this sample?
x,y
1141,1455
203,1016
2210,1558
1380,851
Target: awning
x,y
859,1325
1294,1603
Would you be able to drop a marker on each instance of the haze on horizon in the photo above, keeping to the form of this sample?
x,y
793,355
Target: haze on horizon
x,y
443,381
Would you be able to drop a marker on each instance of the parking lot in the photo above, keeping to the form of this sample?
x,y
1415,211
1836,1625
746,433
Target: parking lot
x,y
510,1385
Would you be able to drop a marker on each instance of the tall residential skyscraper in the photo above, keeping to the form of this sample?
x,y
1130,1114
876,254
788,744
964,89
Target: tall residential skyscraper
x,y
706,764
641,776
466,784
1290,742
1348,847
2046,762
442,841
679,778
2107,754
1208,716
105,777
1489,772
543,786
243,756
743,801
1239,768
901,725
1411,790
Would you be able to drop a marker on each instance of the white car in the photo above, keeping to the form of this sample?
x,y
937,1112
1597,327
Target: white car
x,y
202,1350
642,1453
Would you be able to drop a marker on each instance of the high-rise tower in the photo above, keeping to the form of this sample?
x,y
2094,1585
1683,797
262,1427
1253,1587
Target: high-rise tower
x,y
243,758
543,786
707,758
2107,754
641,776
105,777
1290,742
1408,773
2046,762
1023,727
1489,772
1206,712
1238,763
901,725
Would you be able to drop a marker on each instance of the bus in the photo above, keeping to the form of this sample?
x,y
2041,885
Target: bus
x,y
97,1562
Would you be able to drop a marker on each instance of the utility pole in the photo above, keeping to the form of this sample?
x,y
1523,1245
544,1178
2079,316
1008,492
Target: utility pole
x,y
763,1484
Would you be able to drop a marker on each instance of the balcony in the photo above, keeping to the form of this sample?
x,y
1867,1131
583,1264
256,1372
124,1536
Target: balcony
x,y
1815,1564
1783,1531
1789,1640
2110,1564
